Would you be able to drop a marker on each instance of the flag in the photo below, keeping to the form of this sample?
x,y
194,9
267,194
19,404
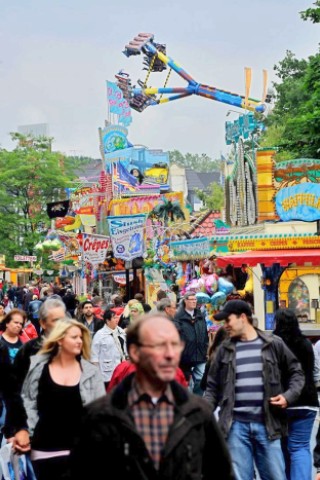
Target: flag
x,y
122,179
58,256
114,97
58,209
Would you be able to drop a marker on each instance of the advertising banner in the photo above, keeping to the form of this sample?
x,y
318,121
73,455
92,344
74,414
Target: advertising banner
x,y
127,236
94,248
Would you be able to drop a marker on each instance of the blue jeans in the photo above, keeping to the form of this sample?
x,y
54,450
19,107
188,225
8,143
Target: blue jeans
x,y
196,376
249,443
300,424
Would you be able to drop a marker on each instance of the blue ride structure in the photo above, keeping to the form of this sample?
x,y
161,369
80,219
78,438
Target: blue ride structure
x,y
157,60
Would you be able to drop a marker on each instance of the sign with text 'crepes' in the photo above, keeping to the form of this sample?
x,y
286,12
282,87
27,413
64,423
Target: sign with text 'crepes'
x,y
94,248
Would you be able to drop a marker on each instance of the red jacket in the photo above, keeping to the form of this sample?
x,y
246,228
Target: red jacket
x,y
28,332
127,367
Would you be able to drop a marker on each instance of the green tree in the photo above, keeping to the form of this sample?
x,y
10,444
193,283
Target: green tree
x,y
30,176
213,197
296,114
312,14
79,163
196,162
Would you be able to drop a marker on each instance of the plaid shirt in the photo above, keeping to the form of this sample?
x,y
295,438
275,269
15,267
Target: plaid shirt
x,y
152,420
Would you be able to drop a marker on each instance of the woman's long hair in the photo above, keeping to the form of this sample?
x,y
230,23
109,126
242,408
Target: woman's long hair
x,y
287,326
220,336
59,331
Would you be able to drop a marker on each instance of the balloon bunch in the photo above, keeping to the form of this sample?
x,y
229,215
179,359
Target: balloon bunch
x,y
50,243
210,289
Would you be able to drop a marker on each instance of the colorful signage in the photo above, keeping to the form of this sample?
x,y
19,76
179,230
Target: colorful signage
x,y
241,128
114,138
144,204
127,236
274,243
94,248
121,278
196,248
300,202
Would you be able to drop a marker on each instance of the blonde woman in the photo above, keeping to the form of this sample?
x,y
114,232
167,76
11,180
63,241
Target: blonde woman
x,y
125,317
136,311
59,383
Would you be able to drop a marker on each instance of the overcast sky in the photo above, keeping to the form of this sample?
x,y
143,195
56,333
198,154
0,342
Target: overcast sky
x,y
55,56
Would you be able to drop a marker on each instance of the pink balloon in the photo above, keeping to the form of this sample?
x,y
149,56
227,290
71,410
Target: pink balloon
x,y
211,284
193,285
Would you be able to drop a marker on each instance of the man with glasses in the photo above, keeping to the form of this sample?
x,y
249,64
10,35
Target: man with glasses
x,y
192,327
149,426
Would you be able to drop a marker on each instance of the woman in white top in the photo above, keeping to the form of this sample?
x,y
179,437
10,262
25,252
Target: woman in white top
x,y
109,345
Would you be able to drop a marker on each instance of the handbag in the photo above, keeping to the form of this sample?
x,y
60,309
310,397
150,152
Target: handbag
x,y
14,466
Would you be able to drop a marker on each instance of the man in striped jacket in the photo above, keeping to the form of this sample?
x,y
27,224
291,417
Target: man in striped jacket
x,y
253,378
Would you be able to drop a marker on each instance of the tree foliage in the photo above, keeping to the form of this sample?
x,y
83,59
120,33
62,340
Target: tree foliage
x,y
168,211
295,120
196,162
79,163
30,177
213,197
312,14
294,125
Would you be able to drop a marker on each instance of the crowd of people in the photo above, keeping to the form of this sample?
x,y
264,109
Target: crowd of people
x,y
141,390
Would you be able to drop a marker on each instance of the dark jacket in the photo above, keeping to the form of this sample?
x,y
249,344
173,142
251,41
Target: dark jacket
x,y
109,441
302,348
282,374
16,417
193,332
70,300
21,362
97,324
